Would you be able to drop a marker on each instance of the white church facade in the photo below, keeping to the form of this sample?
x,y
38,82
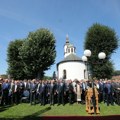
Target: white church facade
x,y
71,67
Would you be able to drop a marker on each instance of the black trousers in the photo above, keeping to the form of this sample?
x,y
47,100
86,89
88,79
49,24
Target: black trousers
x,y
61,98
32,98
109,99
16,97
43,98
118,97
71,98
83,96
52,98
4,99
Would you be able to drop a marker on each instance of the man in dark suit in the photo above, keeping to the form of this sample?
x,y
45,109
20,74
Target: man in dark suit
x,y
109,93
99,86
5,92
21,84
16,93
61,90
52,92
26,85
33,88
117,91
11,91
84,87
70,92
42,92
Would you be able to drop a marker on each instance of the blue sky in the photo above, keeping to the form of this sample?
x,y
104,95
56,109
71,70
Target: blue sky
x,y
72,17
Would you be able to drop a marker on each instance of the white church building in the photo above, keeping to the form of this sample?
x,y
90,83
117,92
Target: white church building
x,y
71,67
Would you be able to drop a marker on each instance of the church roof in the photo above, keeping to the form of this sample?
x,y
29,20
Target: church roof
x,y
71,57
70,45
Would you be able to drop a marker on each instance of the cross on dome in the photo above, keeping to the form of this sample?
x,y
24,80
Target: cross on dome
x,y
67,38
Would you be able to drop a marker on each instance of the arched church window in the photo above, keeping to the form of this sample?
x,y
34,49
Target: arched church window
x,y
68,50
71,50
64,74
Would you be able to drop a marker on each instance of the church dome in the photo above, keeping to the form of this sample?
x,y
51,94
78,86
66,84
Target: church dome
x,y
70,45
70,58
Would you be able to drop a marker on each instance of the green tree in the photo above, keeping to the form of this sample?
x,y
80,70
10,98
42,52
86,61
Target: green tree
x,y
116,72
15,65
47,78
4,76
54,76
100,38
38,53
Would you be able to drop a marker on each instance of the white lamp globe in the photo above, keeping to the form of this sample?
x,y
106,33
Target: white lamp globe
x,y
84,58
101,55
87,53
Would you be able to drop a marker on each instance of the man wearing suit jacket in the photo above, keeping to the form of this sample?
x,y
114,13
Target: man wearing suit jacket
x,y
11,91
61,90
101,91
33,88
52,92
109,93
42,92
5,92
21,83
70,92
26,85
16,93
84,87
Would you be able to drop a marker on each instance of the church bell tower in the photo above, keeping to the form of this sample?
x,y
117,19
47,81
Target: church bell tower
x,y
68,48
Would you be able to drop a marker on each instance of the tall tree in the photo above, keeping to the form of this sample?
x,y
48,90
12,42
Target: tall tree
x,y
38,52
117,72
15,65
54,76
100,38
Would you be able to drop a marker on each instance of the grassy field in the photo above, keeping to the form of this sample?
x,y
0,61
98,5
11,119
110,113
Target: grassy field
x,y
26,110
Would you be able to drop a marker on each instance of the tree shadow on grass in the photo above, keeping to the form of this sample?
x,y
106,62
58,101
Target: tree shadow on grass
x,y
35,116
3,108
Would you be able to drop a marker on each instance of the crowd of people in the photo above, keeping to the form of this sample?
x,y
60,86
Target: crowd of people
x,y
57,91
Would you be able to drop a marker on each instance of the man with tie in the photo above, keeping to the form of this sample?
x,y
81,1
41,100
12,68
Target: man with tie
x,y
5,92
11,91
83,85
25,85
70,92
33,88
16,94
109,93
52,92
61,91
43,92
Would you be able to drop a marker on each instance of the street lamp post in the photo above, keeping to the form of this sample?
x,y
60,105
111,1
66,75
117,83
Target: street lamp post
x,y
84,58
87,54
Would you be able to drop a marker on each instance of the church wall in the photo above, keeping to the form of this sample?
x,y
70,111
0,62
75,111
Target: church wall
x,y
74,70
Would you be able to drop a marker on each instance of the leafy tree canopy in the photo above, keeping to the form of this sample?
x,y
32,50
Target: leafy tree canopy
x,y
15,65
116,72
38,52
101,38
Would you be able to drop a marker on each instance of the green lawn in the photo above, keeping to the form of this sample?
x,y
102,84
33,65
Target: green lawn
x,y
26,110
